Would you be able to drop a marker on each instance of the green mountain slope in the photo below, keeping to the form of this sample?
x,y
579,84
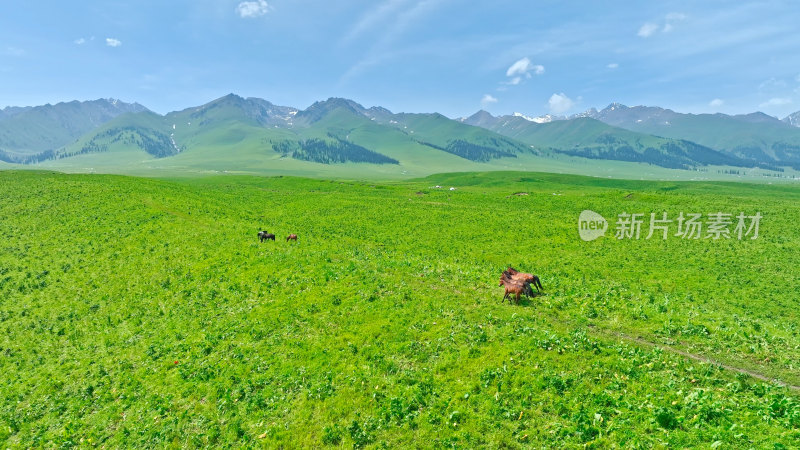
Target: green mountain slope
x,y
230,131
10,111
754,136
466,141
233,108
590,138
135,132
345,120
33,134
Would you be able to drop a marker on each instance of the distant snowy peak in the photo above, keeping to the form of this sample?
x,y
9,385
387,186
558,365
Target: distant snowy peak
x,y
793,119
547,118
531,119
619,115
591,112
615,106
610,110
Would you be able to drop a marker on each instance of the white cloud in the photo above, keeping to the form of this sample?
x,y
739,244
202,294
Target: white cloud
x,y
252,9
676,16
524,67
488,100
560,103
776,101
111,42
717,102
613,66
79,41
519,67
648,29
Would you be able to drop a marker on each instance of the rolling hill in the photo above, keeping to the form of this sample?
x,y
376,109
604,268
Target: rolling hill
x,y
145,131
590,138
345,121
757,136
35,133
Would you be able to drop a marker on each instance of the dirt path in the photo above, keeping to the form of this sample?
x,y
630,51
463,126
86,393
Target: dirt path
x,y
685,354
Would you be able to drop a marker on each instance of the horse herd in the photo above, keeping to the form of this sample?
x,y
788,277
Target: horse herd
x,y
519,283
516,283
265,235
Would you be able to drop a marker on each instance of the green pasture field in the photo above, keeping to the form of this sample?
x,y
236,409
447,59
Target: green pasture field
x,y
140,312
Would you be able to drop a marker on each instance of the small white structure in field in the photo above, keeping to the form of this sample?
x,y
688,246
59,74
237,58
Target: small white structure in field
x,y
452,189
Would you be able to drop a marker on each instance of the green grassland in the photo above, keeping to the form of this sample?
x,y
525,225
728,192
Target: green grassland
x,y
141,312
251,156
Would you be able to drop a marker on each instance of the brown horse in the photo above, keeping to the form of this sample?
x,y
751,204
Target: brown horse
x,y
264,235
291,237
514,287
514,274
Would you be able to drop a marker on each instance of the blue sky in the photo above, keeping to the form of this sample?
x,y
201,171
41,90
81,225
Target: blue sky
x,y
450,56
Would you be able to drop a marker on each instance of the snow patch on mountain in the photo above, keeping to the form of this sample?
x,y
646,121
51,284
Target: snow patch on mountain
x,y
793,119
547,118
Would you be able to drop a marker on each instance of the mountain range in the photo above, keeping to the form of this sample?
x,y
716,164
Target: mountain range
x,y
752,140
255,132
34,133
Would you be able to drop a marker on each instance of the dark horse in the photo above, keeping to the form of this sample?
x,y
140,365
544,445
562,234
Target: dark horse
x,y
291,237
263,236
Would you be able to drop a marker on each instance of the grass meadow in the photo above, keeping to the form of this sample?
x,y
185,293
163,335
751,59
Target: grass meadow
x,y
141,312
